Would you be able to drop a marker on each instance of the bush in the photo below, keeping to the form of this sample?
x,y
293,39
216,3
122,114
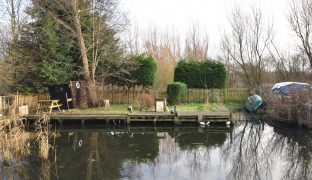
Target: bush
x,y
147,99
145,74
176,92
194,74
139,70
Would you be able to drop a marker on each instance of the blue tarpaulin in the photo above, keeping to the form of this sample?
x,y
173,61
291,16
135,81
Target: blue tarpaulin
x,y
289,87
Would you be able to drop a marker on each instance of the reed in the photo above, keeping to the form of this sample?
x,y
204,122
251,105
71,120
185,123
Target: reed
x,y
13,142
42,126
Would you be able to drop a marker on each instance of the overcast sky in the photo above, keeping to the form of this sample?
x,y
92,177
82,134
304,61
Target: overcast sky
x,y
209,14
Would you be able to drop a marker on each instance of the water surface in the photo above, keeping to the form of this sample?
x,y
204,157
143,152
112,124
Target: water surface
x,y
248,150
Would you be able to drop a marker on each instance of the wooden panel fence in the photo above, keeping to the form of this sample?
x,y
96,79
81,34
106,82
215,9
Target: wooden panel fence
x,y
120,94
124,95
9,103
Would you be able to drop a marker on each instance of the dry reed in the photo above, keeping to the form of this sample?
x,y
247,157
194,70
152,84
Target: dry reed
x,y
13,142
42,126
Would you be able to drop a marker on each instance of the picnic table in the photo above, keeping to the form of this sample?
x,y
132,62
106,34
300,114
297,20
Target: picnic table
x,y
48,105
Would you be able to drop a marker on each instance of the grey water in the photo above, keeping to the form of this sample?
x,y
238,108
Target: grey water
x,y
247,150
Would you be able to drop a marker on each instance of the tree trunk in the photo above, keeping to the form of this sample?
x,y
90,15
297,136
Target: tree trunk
x,y
91,84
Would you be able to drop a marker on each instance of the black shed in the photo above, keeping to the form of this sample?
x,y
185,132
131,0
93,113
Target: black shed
x,y
62,92
71,95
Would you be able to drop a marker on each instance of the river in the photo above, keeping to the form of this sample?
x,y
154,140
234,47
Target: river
x,y
247,150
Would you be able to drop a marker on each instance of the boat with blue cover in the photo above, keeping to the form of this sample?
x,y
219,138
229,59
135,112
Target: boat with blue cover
x,y
253,103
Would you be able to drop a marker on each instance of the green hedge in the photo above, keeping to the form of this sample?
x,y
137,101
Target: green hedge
x,y
140,71
194,74
145,74
176,92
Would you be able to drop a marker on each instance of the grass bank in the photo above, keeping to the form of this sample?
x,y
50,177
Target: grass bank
x,y
234,105
187,107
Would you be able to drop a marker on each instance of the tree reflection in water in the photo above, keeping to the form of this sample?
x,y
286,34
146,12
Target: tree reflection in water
x,y
246,151
264,152
296,149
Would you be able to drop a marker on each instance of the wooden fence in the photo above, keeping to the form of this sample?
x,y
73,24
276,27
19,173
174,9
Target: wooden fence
x,y
8,103
120,95
124,95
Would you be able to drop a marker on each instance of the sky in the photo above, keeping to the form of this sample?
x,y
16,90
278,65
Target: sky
x,y
211,15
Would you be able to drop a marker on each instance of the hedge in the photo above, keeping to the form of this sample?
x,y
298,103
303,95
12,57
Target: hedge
x,y
145,74
176,92
141,72
194,74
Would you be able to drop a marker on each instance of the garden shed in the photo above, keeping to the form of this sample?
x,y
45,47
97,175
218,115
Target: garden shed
x,y
70,95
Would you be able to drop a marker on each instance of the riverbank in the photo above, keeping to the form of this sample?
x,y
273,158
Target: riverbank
x,y
187,107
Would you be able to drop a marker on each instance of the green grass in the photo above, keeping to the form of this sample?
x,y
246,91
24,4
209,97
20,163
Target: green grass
x,y
197,107
234,105
187,107
113,109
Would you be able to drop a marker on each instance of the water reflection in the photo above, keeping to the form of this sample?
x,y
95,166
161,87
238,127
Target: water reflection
x,y
296,147
249,150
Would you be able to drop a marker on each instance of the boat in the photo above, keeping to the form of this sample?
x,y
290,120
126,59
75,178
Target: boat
x,y
253,103
287,88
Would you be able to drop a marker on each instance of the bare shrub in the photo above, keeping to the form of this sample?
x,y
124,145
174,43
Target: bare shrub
x,y
147,99
144,102
292,108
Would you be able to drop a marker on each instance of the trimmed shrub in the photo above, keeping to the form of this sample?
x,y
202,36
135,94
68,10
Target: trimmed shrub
x,y
141,70
176,92
145,74
194,74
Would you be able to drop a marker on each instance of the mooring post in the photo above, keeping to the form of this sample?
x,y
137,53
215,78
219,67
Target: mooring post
x,y
128,120
83,122
176,120
200,118
60,122
155,120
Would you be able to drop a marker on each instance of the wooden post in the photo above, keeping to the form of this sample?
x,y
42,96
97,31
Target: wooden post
x,y
128,120
60,122
200,118
106,103
176,120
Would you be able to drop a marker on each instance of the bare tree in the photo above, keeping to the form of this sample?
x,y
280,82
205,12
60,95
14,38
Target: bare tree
x,y
13,17
165,48
132,41
12,11
247,44
300,19
196,43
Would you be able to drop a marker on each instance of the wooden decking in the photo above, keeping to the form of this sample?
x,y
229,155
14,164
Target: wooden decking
x,y
139,118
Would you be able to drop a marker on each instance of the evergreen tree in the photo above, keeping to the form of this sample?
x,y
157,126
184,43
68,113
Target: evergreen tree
x,y
56,47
